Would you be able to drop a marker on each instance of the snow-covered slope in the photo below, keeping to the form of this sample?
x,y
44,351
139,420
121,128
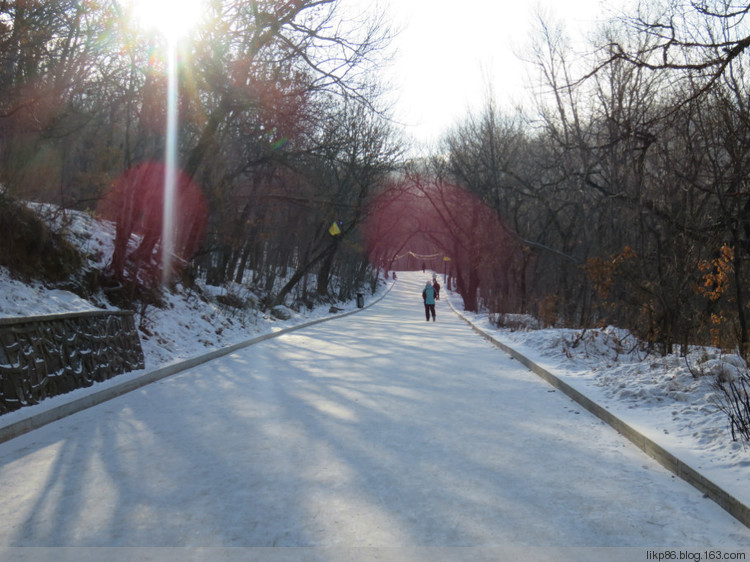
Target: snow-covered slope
x,y
192,322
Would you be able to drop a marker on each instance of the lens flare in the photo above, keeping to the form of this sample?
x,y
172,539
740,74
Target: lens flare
x,y
172,18
135,203
170,172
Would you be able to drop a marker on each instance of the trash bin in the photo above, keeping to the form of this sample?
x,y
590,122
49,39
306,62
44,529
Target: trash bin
x,y
360,300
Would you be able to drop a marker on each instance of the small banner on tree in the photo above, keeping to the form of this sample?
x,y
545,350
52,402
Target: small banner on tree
x,y
334,230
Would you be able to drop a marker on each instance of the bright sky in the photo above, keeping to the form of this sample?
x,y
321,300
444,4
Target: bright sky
x,y
173,18
450,50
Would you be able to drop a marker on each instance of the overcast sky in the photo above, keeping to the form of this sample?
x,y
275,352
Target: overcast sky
x,y
449,50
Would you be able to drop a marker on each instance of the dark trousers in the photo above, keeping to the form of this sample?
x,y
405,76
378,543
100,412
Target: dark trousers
x,y
429,308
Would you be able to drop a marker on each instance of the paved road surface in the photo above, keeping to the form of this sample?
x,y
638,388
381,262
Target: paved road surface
x,y
378,429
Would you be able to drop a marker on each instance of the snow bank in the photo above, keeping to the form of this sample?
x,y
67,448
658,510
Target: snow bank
x,y
672,400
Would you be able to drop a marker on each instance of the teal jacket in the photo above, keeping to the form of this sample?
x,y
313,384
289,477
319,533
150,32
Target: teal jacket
x,y
429,294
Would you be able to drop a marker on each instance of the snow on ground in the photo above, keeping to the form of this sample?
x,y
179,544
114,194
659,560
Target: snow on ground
x,y
30,299
190,326
672,400
674,397
193,321
373,430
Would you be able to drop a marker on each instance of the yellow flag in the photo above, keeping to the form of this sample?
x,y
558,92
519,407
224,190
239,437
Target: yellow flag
x,y
334,230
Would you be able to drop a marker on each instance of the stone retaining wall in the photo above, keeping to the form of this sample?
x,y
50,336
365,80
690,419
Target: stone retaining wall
x,y
42,356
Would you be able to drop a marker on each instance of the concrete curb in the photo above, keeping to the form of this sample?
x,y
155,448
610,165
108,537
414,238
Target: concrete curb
x,y
35,421
724,499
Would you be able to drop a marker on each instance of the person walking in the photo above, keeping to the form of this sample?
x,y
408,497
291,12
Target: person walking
x,y
428,296
436,286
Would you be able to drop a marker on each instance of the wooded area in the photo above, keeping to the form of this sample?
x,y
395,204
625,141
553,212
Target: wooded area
x,y
621,198
281,132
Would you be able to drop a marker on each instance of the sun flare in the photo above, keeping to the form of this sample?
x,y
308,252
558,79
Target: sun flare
x,y
172,18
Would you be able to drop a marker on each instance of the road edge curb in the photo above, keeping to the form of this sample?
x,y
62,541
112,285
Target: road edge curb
x,y
35,421
724,499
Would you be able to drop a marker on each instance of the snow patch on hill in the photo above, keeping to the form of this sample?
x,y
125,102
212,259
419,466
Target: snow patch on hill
x,y
193,320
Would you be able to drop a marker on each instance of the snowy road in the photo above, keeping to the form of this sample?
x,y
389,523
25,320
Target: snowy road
x,y
377,429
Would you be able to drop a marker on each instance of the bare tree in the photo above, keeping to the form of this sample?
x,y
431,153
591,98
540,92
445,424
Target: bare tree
x,y
690,39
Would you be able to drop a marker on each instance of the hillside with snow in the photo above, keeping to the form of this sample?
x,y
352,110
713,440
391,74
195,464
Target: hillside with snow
x,y
192,320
